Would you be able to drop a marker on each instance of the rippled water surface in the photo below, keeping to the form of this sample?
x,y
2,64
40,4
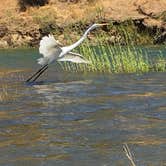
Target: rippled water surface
x,y
79,119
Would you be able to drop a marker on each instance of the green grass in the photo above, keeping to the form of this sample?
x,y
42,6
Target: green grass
x,y
116,59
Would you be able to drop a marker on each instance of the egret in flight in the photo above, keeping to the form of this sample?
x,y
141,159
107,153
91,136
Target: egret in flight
x,y
52,51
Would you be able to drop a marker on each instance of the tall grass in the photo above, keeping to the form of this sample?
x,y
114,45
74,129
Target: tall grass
x,y
106,58
128,154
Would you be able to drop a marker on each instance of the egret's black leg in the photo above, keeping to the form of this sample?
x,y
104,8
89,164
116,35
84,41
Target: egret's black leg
x,y
42,71
29,79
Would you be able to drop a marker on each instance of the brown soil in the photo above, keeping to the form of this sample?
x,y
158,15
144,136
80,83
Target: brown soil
x,y
26,28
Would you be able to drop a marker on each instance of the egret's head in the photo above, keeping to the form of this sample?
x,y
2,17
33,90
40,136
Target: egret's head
x,y
98,25
102,24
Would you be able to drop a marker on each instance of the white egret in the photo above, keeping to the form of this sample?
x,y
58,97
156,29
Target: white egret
x,y
52,51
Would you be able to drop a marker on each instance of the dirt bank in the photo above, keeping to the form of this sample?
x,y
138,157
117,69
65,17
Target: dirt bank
x,y
145,20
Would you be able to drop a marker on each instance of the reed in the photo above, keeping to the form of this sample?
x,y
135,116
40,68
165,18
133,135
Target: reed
x,y
128,154
106,58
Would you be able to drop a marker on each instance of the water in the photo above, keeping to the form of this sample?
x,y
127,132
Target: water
x,y
79,119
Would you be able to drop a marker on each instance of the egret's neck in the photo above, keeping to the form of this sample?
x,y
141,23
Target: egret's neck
x,y
69,48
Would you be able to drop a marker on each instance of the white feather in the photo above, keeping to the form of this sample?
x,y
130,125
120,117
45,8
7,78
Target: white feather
x,y
73,57
49,48
46,44
42,61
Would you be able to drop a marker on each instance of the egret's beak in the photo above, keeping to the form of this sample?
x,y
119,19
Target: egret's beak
x,y
103,24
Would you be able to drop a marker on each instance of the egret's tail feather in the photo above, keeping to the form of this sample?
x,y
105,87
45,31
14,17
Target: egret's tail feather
x,y
74,57
47,43
42,61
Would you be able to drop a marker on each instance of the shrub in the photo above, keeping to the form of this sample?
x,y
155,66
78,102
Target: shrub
x,y
25,3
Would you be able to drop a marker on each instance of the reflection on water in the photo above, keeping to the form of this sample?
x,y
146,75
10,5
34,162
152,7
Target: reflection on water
x,y
75,119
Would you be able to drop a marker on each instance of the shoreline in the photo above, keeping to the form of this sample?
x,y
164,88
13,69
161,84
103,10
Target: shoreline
x,y
138,23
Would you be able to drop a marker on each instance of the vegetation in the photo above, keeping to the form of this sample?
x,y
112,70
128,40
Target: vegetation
x,y
110,49
163,16
25,3
116,58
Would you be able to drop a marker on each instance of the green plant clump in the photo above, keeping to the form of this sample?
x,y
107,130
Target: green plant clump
x,y
116,59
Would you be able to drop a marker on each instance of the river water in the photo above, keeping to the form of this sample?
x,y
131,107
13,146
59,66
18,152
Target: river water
x,y
74,119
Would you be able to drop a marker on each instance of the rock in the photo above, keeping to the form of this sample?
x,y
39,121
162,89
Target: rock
x,y
26,29
3,44
3,30
112,39
150,22
155,22
120,10
19,40
152,8
16,40
160,39
74,1
27,3
15,37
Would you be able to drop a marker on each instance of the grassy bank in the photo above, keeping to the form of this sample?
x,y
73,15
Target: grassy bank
x,y
117,59
20,29
110,49
106,58
114,49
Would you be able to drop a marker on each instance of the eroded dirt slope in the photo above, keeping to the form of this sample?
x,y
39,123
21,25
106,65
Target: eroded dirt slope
x,y
26,28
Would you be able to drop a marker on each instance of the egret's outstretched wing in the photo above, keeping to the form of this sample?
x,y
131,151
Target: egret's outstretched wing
x,y
73,57
50,49
47,43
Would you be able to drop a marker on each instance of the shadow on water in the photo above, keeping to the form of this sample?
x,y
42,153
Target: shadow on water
x,y
77,119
